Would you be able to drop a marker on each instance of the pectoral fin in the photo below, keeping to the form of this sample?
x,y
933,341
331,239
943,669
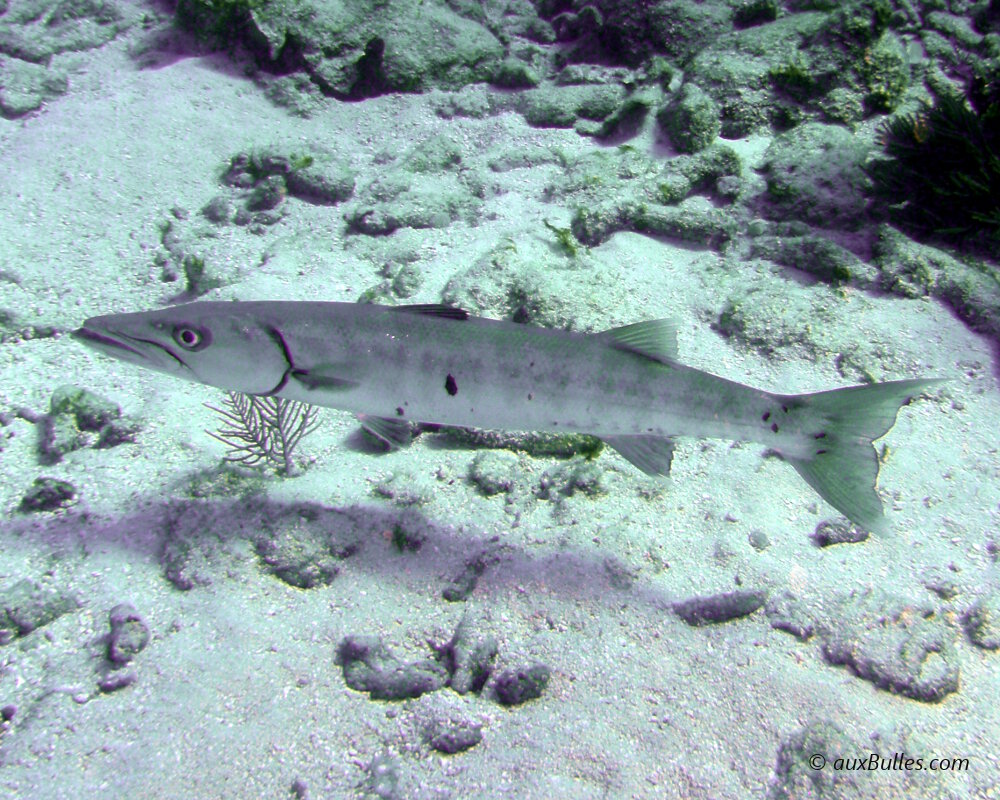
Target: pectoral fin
x,y
651,454
330,377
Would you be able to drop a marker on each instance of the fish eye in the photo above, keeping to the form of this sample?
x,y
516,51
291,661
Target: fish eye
x,y
191,337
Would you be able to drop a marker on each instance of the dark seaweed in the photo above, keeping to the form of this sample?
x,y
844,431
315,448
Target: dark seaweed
x,y
942,175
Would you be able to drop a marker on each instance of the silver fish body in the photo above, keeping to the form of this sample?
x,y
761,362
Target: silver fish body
x,y
491,374
434,364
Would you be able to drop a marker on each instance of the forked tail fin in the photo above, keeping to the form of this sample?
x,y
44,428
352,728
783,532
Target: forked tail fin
x,y
844,466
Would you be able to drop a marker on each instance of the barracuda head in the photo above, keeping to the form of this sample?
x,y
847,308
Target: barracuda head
x,y
221,344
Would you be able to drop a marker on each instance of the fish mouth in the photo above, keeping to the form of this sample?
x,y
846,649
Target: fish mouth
x,y
133,349
108,344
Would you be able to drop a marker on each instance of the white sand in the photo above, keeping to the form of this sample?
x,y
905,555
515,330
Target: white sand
x,y
238,694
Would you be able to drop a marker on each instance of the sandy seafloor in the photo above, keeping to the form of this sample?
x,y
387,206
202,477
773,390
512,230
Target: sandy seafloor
x,y
238,694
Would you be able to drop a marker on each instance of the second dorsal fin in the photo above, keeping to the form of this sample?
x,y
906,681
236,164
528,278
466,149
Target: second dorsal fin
x,y
654,338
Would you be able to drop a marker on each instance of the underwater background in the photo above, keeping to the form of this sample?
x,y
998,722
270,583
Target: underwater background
x,y
809,189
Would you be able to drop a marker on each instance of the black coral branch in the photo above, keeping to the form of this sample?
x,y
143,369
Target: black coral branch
x,y
267,429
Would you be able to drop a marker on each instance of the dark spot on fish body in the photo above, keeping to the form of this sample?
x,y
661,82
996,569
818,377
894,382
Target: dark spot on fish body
x,y
820,452
767,416
450,386
784,408
819,435
531,396
399,411
774,427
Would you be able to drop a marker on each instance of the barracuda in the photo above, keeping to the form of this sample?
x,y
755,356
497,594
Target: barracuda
x,y
437,364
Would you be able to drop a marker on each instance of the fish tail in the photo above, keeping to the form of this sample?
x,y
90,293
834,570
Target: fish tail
x,y
843,466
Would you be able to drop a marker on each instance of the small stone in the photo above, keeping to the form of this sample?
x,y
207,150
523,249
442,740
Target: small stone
x,y
759,540
517,686
982,622
838,532
116,681
369,666
451,736
716,608
48,494
268,194
129,633
218,210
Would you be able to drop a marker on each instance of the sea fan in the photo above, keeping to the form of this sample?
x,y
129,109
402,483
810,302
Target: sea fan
x,y
263,429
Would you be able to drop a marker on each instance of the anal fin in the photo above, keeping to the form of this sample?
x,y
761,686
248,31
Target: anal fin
x,y
651,454
393,433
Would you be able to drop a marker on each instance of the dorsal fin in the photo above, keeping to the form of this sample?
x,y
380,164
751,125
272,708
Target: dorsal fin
x,y
434,310
654,338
